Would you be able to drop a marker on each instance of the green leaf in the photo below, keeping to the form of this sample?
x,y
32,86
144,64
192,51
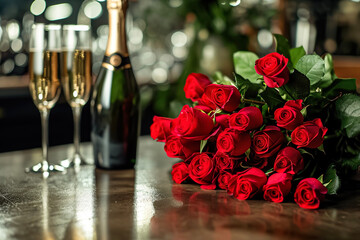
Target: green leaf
x,y
296,54
283,47
332,179
321,178
348,111
329,75
346,84
298,85
202,145
244,63
272,98
312,66
303,151
353,163
221,79
245,87
321,148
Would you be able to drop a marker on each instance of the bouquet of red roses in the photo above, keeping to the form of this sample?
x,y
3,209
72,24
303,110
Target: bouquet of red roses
x,y
285,128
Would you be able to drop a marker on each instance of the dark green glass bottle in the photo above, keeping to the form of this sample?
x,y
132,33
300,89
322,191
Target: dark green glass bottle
x,y
115,104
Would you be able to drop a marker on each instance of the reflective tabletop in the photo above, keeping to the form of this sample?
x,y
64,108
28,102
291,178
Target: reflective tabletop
x,y
145,204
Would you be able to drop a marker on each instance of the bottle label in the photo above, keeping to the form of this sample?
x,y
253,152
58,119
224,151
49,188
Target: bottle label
x,y
116,61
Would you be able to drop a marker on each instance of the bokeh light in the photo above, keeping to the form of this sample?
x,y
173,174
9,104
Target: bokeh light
x,y
58,11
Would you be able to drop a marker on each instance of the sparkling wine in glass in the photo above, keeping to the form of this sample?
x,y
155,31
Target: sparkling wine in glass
x,y
76,79
44,86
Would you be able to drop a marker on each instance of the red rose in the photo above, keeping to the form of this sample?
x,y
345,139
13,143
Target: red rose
x,y
289,116
267,143
223,179
246,184
274,69
222,120
288,160
176,147
256,161
192,124
180,172
203,108
233,142
247,118
224,161
277,187
310,134
309,193
225,97
202,168
195,85
160,128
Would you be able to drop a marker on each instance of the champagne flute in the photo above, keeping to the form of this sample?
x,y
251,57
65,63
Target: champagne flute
x,y
76,79
44,72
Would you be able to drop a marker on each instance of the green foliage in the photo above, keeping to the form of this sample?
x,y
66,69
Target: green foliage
x,y
247,88
221,79
283,47
272,98
329,74
332,180
351,163
244,63
298,85
313,67
348,111
202,145
296,54
347,84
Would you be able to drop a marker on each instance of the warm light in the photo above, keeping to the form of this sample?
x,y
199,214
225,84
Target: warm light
x,y
265,38
175,3
135,36
93,10
58,11
179,39
38,7
159,75
13,29
16,45
235,3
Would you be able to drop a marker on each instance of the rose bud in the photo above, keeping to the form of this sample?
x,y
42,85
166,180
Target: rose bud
x,y
267,143
180,172
246,184
277,187
310,134
233,142
176,147
289,116
160,129
202,168
223,179
225,97
288,160
247,118
309,193
192,124
274,69
195,85
224,161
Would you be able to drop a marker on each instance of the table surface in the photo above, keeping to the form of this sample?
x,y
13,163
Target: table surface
x,y
145,204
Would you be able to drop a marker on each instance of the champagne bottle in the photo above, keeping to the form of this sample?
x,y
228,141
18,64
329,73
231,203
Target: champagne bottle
x,y
115,104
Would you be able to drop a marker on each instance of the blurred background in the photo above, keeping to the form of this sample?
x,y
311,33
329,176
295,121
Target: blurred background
x,y
167,40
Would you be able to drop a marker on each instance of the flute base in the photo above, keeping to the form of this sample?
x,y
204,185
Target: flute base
x,y
45,169
75,162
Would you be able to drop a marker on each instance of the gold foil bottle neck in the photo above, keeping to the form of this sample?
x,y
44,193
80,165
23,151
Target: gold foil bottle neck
x,y
117,4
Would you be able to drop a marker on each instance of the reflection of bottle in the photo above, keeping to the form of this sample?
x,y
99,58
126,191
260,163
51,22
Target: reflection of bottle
x,y
115,103
114,204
